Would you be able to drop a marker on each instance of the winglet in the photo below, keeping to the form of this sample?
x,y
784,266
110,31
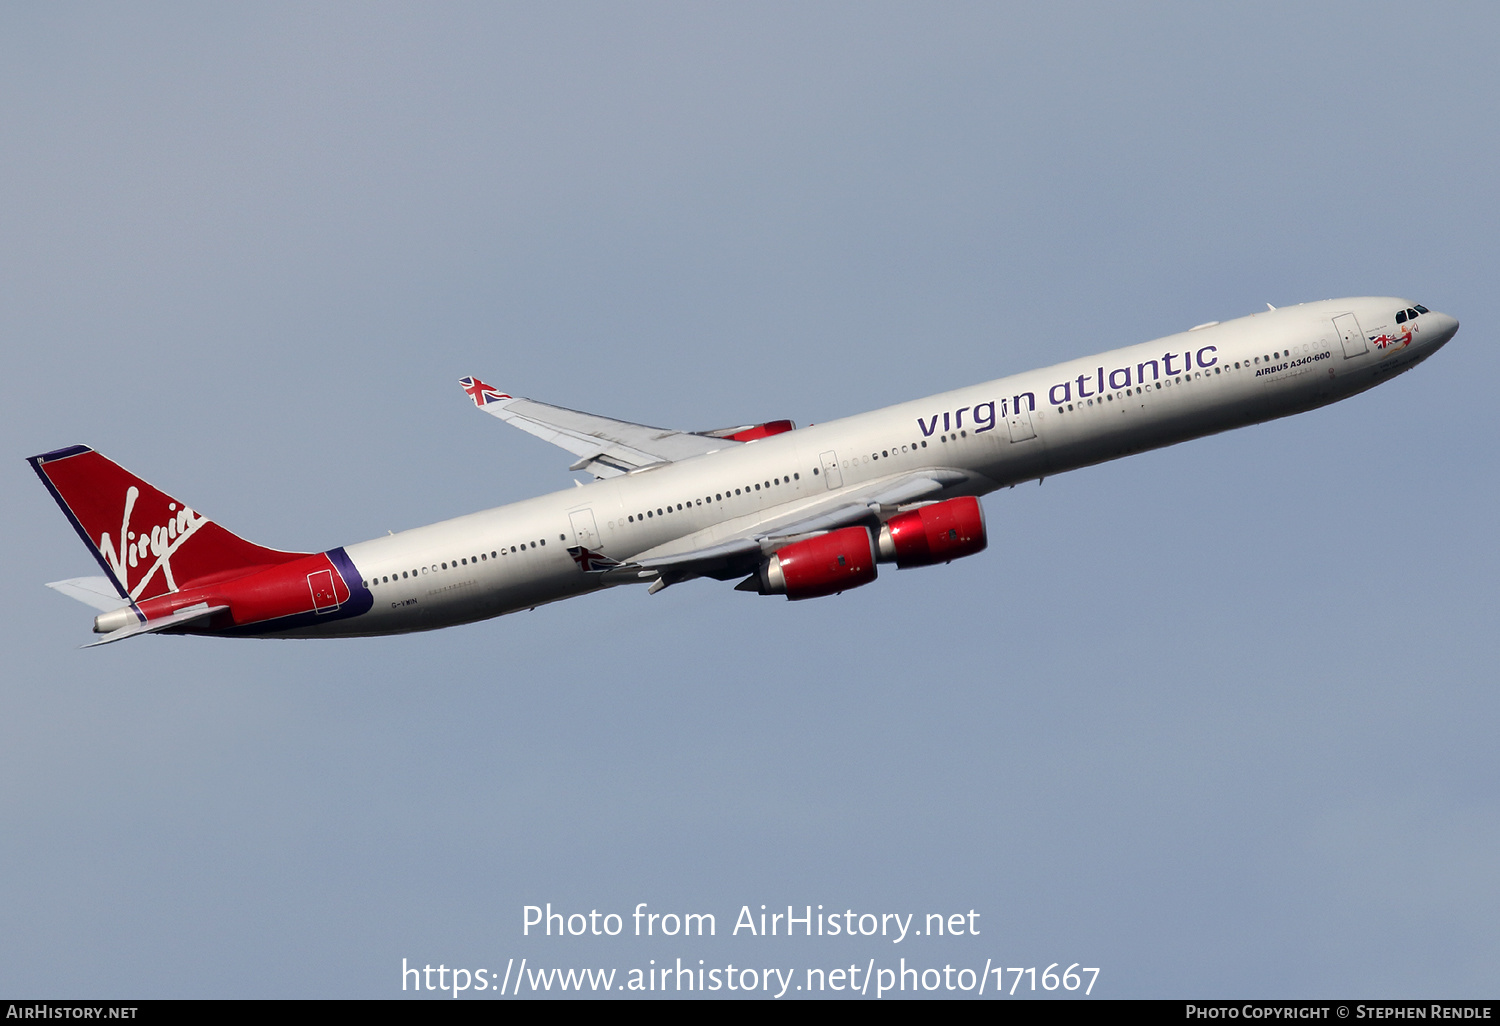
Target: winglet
x,y
480,392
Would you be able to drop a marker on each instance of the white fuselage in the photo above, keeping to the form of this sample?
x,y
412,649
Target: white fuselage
x,y
997,433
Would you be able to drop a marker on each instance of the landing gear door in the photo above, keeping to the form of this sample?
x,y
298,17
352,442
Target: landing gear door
x,y
1351,335
831,476
585,532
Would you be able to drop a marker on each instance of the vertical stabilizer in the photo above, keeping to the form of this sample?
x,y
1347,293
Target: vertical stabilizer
x,y
148,543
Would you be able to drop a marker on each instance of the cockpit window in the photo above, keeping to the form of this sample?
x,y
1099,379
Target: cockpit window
x,y
1401,317
1422,309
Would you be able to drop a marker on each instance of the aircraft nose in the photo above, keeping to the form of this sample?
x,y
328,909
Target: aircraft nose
x,y
1446,327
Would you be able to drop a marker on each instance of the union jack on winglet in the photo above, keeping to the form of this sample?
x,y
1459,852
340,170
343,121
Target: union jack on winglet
x,y
480,392
591,562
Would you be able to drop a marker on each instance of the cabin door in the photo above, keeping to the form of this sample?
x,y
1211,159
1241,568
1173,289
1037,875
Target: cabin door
x,y
324,598
831,475
1350,334
1020,424
585,532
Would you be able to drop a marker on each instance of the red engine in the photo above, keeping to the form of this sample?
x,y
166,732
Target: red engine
x,y
829,563
934,534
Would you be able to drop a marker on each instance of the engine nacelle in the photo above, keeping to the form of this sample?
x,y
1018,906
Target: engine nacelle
x,y
934,534
829,563
750,432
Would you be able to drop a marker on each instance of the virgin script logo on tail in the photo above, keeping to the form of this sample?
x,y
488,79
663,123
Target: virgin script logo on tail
x,y
158,543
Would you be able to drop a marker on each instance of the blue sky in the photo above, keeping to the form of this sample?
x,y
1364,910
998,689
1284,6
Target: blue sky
x,y
1218,719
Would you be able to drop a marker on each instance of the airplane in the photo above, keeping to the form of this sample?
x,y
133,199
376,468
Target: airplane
x,y
801,513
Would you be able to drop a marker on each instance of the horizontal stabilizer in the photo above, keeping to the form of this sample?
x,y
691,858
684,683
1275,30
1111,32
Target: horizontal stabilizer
x,y
182,617
97,592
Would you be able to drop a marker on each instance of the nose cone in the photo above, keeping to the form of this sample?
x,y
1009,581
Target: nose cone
x,y
1444,328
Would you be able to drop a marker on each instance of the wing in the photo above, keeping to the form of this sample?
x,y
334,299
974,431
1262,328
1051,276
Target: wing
x,y
604,447
741,549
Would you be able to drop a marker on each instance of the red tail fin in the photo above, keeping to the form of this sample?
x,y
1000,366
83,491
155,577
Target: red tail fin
x,y
148,543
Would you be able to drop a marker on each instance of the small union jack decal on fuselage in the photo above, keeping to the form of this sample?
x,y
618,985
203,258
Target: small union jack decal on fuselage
x,y
591,562
1386,340
480,392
